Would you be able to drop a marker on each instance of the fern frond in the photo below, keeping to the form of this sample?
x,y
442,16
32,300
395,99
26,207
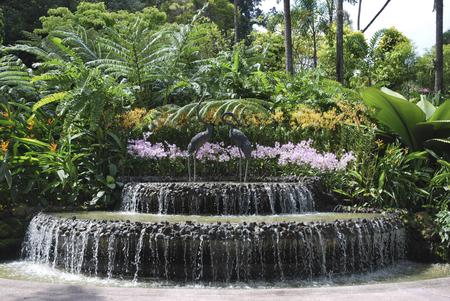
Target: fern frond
x,y
216,108
14,74
49,99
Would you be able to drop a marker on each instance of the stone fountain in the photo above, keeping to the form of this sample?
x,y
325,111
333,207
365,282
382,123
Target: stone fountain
x,y
216,231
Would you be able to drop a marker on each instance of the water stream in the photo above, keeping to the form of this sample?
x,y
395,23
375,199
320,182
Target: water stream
x,y
213,198
215,251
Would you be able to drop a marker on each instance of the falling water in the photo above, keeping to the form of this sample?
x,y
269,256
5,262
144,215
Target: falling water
x,y
219,251
217,198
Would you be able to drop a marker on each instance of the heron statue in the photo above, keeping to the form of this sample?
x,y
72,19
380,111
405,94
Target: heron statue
x,y
198,141
241,141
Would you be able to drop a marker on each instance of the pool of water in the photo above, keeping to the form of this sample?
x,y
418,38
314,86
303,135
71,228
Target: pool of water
x,y
155,218
402,272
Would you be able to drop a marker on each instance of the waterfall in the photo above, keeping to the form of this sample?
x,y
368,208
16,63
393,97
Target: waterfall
x,y
214,251
217,198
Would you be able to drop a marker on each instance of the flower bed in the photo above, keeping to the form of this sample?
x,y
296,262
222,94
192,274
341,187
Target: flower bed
x,y
301,153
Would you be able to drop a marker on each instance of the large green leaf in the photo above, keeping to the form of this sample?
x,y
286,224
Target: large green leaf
x,y
398,114
427,107
442,145
49,99
32,141
442,112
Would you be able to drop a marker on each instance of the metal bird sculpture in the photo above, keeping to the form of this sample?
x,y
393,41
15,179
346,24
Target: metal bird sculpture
x,y
198,141
241,141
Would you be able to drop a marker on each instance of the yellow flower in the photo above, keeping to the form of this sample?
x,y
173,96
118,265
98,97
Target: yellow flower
x,y
53,147
353,113
5,114
278,116
379,143
30,124
4,146
133,118
209,118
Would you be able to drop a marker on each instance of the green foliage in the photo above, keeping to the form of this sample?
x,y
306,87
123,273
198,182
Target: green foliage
x,y
408,120
355,52
439,187
443,227
96,16
73,146
389,178
393,59
235,74
446,37
212,111
2,27
221,13
313,89
14,74
62,142
272,46
425,69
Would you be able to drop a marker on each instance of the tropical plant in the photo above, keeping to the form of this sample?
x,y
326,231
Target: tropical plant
x,y
390,178
418,125
14,74
439,187
211,111
393,59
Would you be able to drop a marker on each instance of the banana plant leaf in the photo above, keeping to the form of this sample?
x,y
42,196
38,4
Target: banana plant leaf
x,y
397,113
427,107
442,112
439,144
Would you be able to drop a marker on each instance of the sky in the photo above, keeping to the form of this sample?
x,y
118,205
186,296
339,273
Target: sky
x,y
415,18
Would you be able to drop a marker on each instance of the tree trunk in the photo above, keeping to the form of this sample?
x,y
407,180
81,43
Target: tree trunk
x,y
314,45
359,15
340,42
376,16
236,22
288,36
439,71
330,9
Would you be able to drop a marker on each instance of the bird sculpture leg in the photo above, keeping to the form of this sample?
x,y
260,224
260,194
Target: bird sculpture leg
x,y
246,170
189,167
195,166
240,165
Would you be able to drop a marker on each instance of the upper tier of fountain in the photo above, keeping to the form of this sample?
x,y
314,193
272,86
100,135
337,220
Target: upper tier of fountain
x,y
218,198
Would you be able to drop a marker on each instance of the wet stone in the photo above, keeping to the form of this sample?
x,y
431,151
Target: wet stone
x,y
215,252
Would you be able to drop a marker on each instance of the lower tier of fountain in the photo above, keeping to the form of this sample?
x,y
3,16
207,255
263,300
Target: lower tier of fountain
x,y
223,248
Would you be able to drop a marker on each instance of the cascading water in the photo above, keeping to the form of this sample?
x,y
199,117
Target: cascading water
x,y
217,198
215,231
215,251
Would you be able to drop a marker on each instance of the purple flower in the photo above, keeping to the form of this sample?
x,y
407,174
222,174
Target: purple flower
x,y
301,153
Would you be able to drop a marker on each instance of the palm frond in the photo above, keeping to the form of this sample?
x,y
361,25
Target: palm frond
x,y
49,99
14,74
215,108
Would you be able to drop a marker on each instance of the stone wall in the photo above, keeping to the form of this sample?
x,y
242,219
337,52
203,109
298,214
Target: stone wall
x,y
12,231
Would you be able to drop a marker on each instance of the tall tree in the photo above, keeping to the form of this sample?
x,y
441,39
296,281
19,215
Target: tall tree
x,y
309,22
340,41
330,5
247,13
359,15
288,36
439,66
376,16
2,26
446,37
236,22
